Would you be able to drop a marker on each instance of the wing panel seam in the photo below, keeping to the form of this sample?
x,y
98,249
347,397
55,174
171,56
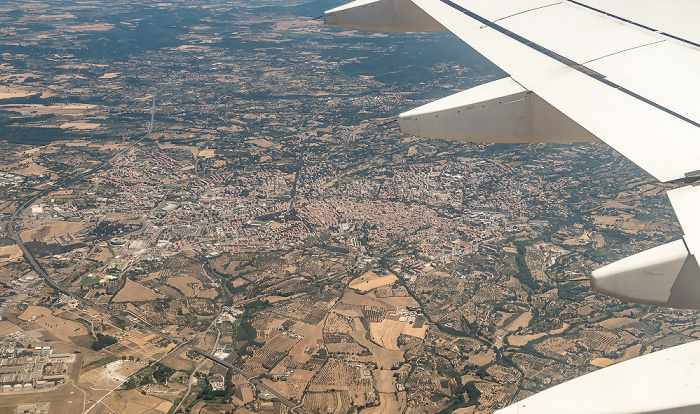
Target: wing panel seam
x,y
528,10
632,22
623,51
566,61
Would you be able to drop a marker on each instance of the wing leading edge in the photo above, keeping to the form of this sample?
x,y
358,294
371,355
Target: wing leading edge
x,y
629,77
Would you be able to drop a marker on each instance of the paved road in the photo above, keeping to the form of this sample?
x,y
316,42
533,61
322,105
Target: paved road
x,y
132,320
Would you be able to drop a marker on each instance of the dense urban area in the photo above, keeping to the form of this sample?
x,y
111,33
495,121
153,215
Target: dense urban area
x,y
207,208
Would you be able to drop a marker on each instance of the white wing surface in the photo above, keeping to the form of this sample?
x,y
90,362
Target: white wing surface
x,y
626,72
631,87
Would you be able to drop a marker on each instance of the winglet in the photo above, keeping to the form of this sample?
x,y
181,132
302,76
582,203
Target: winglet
x,y
382,16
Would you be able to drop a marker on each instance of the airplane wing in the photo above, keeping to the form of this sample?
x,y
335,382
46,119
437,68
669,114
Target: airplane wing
x,y
626,72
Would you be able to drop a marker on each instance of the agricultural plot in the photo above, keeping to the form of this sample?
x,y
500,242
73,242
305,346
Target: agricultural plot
x,y
109,376
386,333
7,328
345,348
401,301
338,375
601,362
616,323
301,328
482,358
279,343
385,381
385,358
352,298
336,323
191,286
520,340
65,399
140,344
299,352
297,382
201,306
388,404
61,329
134,292
133,402
10,253
47,230
602,341
179,361
520,322
371,280
335,402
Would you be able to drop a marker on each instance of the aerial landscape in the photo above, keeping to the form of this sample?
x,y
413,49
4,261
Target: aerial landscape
x,y
206,208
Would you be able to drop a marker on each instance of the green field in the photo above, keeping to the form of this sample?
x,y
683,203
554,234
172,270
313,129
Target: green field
x,y
87,281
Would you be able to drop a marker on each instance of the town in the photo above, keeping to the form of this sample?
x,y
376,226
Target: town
x,y
228,175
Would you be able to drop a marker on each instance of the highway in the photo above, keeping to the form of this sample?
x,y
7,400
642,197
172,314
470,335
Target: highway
x,y
132,320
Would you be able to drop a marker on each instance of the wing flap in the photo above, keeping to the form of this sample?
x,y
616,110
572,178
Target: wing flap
x,y
663,276
499,111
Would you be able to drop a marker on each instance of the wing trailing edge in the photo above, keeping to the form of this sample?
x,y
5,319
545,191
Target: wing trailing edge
x,y
500,111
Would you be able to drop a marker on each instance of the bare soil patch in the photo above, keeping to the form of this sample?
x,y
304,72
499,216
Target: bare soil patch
x,y
388,404
10,253
601,362
387,332
520,322
133,292
402,301
298,353
79,125
352,298
370,280
191,286
133,402
385,380
7,328
385,358
261,142
482,358
207,153
616,323
111,375
60,328
46,230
